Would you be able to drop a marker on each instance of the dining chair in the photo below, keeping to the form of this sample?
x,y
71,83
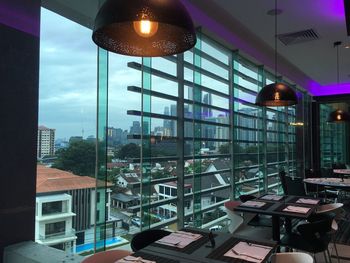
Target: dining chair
x,y
313,237
109,256
282,176
292,257
295,186
145,238
335,208
239,224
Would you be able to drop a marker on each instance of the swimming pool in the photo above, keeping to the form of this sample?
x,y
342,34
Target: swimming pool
x,y
109,242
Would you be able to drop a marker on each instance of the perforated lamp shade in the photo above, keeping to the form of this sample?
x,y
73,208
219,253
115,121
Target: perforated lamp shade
x,y
147,28
276,94
339,116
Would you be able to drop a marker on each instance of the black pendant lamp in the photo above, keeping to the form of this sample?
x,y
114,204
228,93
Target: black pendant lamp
x,y
147,28
338,115
278,93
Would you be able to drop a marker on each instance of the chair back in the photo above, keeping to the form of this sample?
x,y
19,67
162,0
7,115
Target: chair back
x,y
338,165
295,186
318,230
292,257
235,218
282,176
109,256
144,238
245,198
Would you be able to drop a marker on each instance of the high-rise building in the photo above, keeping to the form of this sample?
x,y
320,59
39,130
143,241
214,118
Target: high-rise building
x,y
46,142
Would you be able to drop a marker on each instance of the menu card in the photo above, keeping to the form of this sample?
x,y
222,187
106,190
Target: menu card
x,y
308,201
249,252
253,204
179,239
133,259
272,197
296,209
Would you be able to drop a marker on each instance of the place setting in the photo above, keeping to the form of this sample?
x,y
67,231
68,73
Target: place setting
x,y
238,250
271,197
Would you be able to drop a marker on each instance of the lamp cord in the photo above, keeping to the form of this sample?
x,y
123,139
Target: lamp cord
x,y
275,41
338,65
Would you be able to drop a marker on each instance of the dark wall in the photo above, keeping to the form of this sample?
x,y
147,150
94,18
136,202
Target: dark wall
x,y
19,82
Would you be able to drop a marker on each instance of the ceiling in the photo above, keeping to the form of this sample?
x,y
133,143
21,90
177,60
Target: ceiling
x,y
244,24
315,59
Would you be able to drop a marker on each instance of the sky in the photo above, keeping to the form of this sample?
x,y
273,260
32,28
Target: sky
x,y
68,80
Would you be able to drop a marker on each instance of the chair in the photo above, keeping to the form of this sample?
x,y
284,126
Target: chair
x,y
240,226
335,208
292,257
109,256
236,219
295,186
282,176
144,238
313,237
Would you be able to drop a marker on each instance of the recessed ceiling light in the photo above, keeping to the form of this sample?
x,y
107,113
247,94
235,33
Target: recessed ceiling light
x,y
347,46
274,12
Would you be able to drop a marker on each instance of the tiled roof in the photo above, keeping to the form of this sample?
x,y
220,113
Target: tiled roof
x,y
55,180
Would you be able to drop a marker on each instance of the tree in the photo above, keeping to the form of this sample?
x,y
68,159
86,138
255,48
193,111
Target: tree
x,y
78,158
130,150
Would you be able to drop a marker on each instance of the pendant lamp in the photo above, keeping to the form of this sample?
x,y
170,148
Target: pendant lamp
x,y
338,115
147,28
278,93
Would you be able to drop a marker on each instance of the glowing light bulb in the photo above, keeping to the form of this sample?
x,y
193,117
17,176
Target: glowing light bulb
x,y
277,95
338,117
145,28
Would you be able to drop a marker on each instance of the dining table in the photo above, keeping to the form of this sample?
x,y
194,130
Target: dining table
x,y
342,172
337,183
281,206
226,248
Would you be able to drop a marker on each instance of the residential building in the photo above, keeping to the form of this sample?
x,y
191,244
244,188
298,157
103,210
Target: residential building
x,y
46,142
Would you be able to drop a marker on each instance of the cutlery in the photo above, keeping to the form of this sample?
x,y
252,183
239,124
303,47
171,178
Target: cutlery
x,y
257,245
245,255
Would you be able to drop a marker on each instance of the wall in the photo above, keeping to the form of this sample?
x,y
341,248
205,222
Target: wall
x,y
19,73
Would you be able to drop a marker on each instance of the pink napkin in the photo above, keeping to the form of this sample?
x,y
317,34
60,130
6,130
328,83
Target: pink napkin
x,y
179,239
249,252
296,209
129,259
272,197
308,201
253,204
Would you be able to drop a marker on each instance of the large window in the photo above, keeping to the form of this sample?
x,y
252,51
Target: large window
x,y
176,136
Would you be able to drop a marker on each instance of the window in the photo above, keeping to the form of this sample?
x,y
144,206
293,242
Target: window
x,y
52,208
55,228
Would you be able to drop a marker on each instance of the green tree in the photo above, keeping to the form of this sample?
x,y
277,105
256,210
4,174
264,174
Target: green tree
x,y
78,158
130,150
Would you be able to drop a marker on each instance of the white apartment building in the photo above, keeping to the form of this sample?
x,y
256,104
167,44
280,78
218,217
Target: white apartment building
x,y
46,142
54,222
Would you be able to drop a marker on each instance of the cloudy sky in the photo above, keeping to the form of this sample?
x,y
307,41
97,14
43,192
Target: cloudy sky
x,y
68,80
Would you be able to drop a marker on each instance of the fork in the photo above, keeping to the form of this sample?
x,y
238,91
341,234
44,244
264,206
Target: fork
x,y
245,255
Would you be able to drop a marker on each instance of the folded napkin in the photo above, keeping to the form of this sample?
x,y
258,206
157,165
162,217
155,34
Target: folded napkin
x,y
296,209
272,197
249,252
253,204
132,259
179,239
308,201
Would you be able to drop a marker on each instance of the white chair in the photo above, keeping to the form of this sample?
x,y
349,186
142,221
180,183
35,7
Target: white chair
x,y
292,257
236,219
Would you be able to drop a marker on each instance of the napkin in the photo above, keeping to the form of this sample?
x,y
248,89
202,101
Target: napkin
x,y
272,197
296,209
308,201
179,239
253,204
249,252
129,259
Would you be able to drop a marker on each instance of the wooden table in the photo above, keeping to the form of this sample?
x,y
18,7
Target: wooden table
x,y
275,209
201,251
